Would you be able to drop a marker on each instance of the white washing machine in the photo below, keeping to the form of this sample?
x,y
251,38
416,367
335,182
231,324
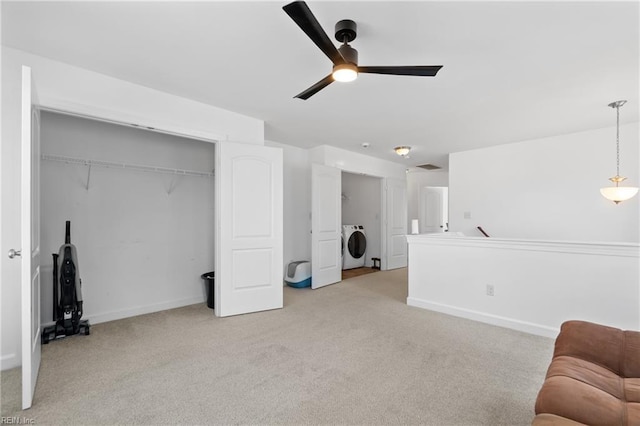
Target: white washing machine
x,y
355,246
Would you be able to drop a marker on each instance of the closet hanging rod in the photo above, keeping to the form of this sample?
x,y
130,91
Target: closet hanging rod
x,y
114,165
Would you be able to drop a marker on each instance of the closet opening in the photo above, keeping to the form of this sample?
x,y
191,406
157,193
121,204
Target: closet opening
x,y
142,207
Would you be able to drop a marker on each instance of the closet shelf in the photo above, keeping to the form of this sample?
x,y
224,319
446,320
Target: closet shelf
x,y
114,165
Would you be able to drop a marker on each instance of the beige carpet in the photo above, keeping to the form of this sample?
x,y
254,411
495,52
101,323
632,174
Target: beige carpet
x,y
350,353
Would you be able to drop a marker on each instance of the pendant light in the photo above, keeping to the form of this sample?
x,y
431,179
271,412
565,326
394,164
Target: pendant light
x,y
618,193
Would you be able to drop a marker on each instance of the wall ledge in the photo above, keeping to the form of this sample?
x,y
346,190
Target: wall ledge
x,y
574,247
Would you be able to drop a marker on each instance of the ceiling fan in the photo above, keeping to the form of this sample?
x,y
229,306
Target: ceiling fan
x,y
344,58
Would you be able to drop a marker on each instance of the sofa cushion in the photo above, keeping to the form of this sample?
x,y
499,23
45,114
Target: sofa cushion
x,y
579,401
594,377
588,373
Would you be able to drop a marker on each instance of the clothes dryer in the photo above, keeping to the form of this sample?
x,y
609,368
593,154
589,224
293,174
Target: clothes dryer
x,y
355,246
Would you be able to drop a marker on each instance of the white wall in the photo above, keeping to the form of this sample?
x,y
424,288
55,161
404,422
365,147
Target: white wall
x,y
537,284
361,204
547,188
77,89
297,203
417,179
143,238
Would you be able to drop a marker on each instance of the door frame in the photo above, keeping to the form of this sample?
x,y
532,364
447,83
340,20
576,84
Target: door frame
x,y
383,211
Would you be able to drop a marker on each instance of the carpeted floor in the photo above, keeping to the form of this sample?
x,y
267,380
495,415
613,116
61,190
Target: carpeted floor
x,y
349,353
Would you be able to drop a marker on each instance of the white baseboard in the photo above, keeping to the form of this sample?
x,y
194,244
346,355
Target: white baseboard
x,y
9,361
514,324
141,310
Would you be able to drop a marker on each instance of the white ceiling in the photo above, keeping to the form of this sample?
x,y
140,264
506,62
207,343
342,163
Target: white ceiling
x,y
512,71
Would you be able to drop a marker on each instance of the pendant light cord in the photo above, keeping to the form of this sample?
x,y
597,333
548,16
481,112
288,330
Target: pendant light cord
x,y
617,140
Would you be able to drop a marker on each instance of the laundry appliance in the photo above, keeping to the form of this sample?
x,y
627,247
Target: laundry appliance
x,y
355,246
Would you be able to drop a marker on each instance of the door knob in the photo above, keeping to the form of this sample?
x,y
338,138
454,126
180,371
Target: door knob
x,y
13,253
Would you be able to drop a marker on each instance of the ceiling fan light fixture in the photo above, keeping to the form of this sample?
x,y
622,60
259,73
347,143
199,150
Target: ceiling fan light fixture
x,y
344,58
345,73
402,151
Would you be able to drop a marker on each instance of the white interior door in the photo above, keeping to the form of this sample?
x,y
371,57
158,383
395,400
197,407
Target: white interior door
x,y
249,211
396,224
326,227
30,231
432,202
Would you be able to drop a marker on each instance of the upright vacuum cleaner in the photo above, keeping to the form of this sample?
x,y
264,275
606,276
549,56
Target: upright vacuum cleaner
x,y
67,294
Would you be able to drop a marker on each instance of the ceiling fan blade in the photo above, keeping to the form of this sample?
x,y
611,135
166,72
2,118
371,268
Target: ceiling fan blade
x,y
301,15
416,70
306,94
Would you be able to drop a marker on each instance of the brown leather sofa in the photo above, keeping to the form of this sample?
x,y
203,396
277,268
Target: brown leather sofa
x,y
593,379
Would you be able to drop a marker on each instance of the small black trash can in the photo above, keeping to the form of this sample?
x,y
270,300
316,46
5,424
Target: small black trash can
x,y
209,279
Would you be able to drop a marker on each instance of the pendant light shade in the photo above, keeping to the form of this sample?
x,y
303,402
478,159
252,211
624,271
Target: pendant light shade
x,y
618,193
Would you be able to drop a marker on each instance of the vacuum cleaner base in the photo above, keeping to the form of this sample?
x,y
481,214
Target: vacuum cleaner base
x,y
59,331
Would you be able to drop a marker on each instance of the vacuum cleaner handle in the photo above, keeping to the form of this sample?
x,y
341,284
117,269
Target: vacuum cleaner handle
x,y
55,287
67,233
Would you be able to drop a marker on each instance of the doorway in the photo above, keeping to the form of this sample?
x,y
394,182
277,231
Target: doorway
x,y
326,224
362,225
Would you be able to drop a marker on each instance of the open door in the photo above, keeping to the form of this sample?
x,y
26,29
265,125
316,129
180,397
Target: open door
x,y
30,231
396,224
249,245
326,229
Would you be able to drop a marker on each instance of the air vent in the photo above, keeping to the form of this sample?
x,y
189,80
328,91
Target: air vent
x,y
430,167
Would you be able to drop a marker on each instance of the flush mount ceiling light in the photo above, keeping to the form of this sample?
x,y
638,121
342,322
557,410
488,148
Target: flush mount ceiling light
x,y
402,151
618,193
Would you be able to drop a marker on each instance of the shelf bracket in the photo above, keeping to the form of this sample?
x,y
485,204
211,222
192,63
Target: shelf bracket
x,y
88,176
172,184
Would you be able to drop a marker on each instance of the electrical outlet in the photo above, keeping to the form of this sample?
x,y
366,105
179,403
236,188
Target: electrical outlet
x,y
490,290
